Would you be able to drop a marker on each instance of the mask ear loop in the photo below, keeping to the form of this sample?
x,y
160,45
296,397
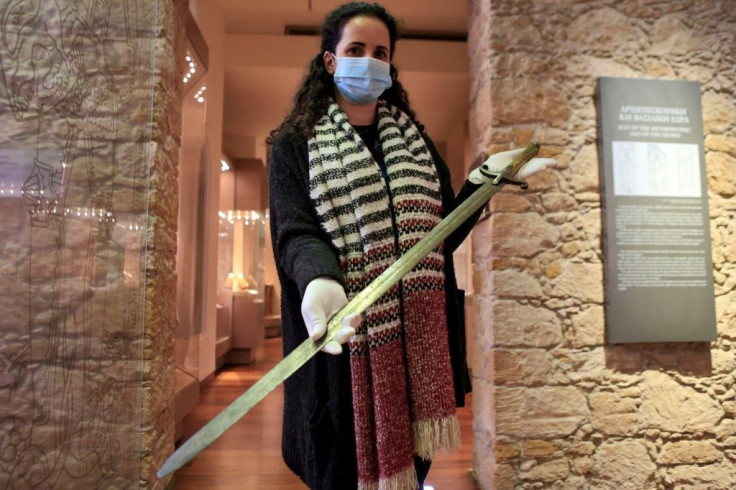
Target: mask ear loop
x,y
334,66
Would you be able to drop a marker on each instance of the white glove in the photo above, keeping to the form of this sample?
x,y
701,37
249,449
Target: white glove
x,y
324,297
495,164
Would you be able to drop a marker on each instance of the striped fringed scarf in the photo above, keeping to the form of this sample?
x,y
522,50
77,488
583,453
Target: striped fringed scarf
x,y
401,374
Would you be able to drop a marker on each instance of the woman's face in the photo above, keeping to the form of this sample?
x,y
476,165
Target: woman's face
x,y
361,36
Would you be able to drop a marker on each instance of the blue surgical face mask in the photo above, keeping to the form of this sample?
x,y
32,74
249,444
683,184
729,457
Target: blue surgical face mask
x,y
362,80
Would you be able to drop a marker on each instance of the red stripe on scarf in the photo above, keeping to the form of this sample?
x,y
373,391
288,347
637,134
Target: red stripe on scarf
x,y
393,427
428,352
423,204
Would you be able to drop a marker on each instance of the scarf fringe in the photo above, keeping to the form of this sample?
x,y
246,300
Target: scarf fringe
x,y
434,434
403,480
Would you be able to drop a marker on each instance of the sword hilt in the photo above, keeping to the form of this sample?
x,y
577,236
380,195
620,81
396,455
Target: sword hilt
x,y
529,152
508,174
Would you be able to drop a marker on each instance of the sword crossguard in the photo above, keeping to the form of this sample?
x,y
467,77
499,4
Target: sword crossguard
x,y
508,179
508,174
504,177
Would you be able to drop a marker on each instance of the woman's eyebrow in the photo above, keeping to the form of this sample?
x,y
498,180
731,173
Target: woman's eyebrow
x,y
362,44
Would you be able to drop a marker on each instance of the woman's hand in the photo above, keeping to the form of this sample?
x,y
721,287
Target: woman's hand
x,y
496,163
324,297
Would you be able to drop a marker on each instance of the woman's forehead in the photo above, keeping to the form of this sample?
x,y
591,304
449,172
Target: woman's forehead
x,y
366,29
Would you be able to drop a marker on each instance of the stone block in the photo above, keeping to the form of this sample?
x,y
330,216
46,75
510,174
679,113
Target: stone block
x,y
552,270
578,448
503,451
504,477
525,367
511,203
609,403
522,325
672,36
583,281
600,28
616,424
544,181
514,34
512,64
689,452
588,327
582,466
721,142
522,136
512,283
522,235
659,67
718,476
718,110
545,412
624,464
525,100
547,472
558,201
721,179
540,449
589,223
479,118
584,170
726,429
668,405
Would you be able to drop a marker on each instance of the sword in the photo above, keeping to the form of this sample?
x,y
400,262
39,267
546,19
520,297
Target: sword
x,y
360,302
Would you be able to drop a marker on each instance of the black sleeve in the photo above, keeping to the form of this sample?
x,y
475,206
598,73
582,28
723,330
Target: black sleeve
x,y
450,201
301,247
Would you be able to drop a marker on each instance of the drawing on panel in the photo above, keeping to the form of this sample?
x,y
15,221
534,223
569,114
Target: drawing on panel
x,y
73,148
656,169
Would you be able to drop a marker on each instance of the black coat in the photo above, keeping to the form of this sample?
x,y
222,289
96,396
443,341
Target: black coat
x,y
318,442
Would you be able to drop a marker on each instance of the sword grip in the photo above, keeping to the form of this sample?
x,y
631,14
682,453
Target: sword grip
x,y
529,152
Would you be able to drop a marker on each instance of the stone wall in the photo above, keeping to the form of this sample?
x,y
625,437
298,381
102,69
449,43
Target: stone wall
x,y
555,406
159,362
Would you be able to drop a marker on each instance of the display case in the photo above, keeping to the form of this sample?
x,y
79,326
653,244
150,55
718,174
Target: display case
x,y
240,295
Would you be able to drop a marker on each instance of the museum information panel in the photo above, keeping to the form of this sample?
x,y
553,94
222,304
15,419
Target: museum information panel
x,y
658,265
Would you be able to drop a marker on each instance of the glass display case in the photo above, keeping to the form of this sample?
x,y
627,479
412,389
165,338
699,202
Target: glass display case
x,y
240,284
241,246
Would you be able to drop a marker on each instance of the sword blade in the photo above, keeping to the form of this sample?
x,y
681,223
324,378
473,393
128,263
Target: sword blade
x,y
358,304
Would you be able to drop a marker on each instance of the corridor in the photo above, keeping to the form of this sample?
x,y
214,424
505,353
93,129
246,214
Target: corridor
x,y
248,455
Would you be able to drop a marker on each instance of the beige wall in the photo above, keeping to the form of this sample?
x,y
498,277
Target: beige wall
x,y
251,184
210,22
555,406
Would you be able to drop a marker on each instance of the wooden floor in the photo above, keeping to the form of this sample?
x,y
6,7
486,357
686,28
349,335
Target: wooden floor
x,y
248,455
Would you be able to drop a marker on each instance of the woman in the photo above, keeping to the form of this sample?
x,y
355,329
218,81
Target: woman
x,y
354,183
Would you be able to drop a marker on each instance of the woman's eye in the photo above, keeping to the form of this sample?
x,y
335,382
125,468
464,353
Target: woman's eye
x,y
354,51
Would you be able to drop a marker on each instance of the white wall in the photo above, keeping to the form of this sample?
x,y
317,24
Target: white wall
x,y
210,22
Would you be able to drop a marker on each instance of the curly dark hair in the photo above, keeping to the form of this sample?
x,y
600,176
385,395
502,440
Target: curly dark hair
x,y
317,90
